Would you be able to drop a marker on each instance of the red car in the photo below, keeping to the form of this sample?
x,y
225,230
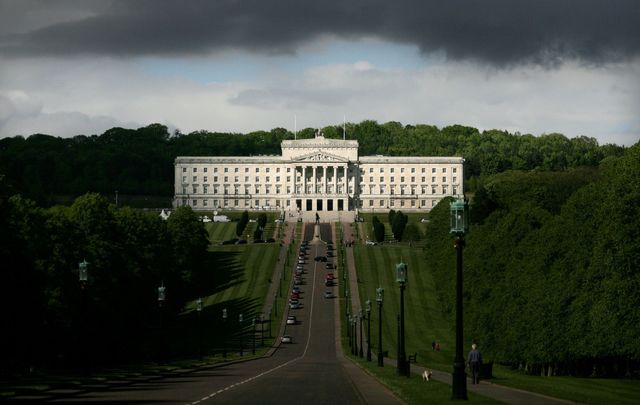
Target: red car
x,y
295,295
330,276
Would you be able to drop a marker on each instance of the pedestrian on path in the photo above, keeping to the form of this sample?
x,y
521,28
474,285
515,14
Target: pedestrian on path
x,y
433,345
475,360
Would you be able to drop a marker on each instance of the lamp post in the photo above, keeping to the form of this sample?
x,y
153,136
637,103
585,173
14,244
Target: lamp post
x,y
368,330
162,295
199,311
253,336
269,324
459,225
83,277
240,323
360,316
224,332
380,299
401,279
261,330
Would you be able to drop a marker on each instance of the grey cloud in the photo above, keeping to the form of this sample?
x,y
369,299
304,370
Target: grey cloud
x,y
497,32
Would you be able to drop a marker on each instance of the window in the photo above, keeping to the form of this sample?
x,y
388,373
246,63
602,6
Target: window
x,y
391,179
444,179
288,189
444,189
226,169
257,203
184,170
246,170
235,170
391,203
371,179
205,202
215,189
433,179
267,170
195,178
382,203
455,179
195,202
424,179
370,203
215,178
288,170
381,179
195,169
205,170
205,188
433,170
204,179
184,190
382,170
371,170
455,170
257,170
413,179
226,179
413,203
235,203
413,170
215,170
402,179
391,170
184,179
444,170
246,179
277,179
267,180
423,170
423,203
257,179
402,203
402,170
433,190
236,179
215,203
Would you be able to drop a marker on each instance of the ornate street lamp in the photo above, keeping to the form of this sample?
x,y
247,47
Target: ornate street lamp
x,y
459,226
401,279
361,317
83,277
380,299
199,311
368,330
240,319
224,337
162,296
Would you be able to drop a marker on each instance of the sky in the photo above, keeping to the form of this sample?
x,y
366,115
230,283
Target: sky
x,y
70,67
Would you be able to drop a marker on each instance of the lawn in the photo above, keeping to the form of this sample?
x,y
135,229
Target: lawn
x,y
425,323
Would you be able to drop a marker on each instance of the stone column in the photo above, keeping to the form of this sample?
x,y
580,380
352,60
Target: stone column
x,y
335,179
324,179
304,180
315,179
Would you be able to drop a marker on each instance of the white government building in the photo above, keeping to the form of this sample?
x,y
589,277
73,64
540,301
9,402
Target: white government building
x,y
316,175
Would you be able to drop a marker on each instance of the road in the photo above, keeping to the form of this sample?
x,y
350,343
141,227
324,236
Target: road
x,y
311,370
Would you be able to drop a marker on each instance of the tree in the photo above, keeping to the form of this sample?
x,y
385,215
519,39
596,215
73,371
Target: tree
x,y
378,229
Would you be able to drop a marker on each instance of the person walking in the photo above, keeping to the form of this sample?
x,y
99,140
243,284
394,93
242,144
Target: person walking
x,y
474,360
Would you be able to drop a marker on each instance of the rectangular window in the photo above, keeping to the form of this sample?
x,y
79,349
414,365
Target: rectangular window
x,y
236,179
433,179
424,179
413,203
226,179
455,179
257,170
402,170
391,179
433,170
444,170
423,169
423,203
184,179
235,170
288,170
205,170
195,169
195,178
184,170
215,170
277,179
257,179
391,170
215,178
246,170
204,179
371,179
246,179
195,203
413,170
205,202
382,170
455,170
235,203
370,203
267,180
371,170
382,203
402,179
226,169
267,170
444,179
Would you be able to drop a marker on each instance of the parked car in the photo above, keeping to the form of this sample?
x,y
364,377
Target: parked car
x,y
291,320
328,294
330,276
296,289
370,243
294,305
286,339
295,295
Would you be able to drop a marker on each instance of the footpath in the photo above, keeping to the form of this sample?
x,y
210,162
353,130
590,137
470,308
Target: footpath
x,y
485,388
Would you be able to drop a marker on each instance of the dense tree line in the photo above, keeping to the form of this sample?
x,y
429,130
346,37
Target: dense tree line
x,y
130,253
552,268
140,161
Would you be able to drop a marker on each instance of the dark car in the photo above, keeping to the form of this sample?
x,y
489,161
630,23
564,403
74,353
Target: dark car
x,y
229,242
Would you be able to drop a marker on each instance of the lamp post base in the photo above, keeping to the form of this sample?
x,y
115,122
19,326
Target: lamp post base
x,y
459,382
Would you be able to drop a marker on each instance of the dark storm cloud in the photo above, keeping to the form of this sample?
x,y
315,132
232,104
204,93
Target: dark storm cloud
x,y
493,31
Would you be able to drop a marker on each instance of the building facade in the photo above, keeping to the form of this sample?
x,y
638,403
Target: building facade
x,y
318,174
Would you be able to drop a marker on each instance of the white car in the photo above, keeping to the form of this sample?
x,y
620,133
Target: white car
x,y
291,320
286,339
371,243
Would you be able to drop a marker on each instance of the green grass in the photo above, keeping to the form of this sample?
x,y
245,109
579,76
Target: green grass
x,y
585,390
366,228
415,391
424,323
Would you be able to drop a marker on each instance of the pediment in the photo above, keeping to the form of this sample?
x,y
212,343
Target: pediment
x,y
320,156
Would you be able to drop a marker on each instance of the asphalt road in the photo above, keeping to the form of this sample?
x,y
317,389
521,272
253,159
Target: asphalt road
x,y
309,370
